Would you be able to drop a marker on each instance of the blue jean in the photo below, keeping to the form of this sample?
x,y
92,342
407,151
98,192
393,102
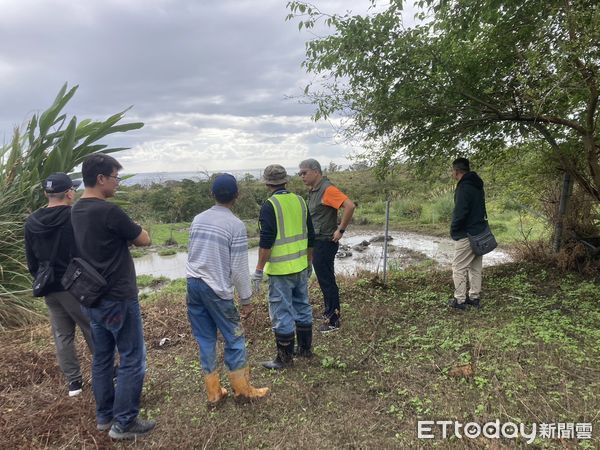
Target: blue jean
x,y
117,323
288,302
323,259
207,312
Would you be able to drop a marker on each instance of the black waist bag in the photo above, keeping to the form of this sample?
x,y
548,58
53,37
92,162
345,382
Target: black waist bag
x,y
84,282
483,243
44,278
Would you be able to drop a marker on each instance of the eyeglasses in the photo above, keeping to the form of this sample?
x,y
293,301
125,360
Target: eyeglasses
x,y
118,179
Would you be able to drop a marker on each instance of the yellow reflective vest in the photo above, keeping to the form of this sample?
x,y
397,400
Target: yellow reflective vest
x,y
288,254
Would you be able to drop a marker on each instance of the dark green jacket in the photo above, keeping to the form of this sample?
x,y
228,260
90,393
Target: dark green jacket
x,y
469,215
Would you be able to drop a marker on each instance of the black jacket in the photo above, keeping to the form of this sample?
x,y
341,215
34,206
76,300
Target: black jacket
x,y
469,215
42,228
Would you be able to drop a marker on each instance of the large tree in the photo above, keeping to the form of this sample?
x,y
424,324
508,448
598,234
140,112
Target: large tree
x,y
471,77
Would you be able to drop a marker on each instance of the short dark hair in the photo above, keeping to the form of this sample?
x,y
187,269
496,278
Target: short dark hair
x,y
57,195
98,164
461,164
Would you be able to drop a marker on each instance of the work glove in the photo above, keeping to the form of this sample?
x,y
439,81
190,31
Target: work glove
x,y
256,279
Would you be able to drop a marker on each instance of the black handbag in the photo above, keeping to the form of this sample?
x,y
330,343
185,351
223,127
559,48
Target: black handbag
x,y
84,282
483,242
44,277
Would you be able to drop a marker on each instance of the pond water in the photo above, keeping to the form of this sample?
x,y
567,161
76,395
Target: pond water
x,y
405,249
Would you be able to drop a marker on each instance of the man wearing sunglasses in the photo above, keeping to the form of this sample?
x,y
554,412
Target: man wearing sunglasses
x,y
324,201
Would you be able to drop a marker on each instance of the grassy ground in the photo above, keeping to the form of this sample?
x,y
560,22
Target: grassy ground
x,y
531,355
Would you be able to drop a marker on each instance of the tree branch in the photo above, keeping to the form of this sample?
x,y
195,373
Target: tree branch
x,y
586,73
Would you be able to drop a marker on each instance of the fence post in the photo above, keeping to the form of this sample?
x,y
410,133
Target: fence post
x,y
385,240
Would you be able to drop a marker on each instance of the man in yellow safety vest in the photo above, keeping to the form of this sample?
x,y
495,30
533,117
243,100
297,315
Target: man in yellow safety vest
x,y
285,247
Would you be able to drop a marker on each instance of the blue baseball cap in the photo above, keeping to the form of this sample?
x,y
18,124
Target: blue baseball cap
x,y
224,188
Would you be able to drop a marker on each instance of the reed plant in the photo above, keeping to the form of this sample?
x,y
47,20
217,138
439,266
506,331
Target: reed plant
x,y
50,142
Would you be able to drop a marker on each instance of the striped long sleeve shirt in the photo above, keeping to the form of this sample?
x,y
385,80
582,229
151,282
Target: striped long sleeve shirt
x,y
218,253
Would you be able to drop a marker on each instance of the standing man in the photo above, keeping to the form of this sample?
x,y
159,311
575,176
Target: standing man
x,y
469,217
285,247
324,200
103,232
218,262
49,238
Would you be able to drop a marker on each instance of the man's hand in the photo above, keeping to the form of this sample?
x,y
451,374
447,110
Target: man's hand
x,y
309,271
256,279
337,236
246,310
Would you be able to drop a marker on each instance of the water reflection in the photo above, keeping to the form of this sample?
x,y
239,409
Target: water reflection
x,y
403,245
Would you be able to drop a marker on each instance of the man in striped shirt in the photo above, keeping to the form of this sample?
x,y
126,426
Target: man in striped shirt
x,y
218,263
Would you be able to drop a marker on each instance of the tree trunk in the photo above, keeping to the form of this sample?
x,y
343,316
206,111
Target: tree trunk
x,y
562,208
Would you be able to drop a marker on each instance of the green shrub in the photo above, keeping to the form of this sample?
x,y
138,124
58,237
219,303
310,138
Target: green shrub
x,y
409,208
438,210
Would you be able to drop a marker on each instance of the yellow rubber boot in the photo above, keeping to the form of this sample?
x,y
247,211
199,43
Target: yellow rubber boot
x,y
214,390
240,382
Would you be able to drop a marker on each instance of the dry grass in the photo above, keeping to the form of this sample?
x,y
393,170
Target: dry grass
x,y
532,355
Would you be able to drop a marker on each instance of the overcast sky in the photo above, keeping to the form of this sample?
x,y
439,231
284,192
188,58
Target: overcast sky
x,y
211,80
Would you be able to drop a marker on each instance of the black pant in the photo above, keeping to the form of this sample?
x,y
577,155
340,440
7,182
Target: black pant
x,y
323,257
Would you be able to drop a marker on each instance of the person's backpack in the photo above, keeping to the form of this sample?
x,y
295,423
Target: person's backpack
x,y
44,277
84,282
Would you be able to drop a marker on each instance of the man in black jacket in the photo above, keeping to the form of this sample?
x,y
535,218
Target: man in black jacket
x,y
469,217
49,230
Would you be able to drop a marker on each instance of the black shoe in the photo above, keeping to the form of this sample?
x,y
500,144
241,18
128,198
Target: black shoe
x,y
75,388
304,338
285,352
474,302
453,303
139,427
329,327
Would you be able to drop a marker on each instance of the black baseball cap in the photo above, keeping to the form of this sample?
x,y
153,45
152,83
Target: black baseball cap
x,y
59,182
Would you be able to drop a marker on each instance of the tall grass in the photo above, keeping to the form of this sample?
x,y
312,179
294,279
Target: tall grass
x,y
49,143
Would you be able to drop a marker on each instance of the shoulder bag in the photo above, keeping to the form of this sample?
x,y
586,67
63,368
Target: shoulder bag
x,y
84,282
483,242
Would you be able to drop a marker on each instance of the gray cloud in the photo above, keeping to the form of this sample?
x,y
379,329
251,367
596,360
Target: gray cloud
x,y
211,80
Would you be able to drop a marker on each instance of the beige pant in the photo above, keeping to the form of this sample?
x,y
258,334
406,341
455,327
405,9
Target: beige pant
x,y
466,265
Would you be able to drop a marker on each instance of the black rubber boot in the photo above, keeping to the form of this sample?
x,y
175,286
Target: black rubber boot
x,y
304,337
285,352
